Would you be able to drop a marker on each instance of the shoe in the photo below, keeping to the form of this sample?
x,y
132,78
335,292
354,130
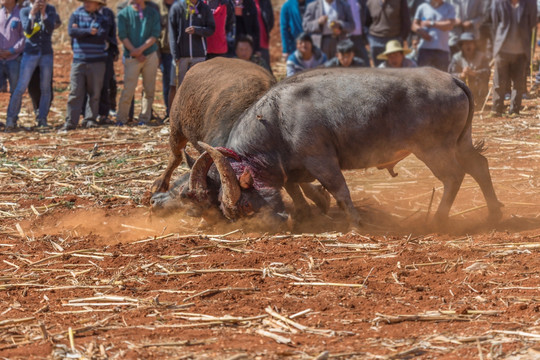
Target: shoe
x,y
104,120
513,114
42,124
91,124
67,127
141,123
119,123
112,113
494,114
506,96
10,126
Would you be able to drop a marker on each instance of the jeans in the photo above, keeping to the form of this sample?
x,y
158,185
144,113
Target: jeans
x,y
509,67
377,45
28,64
85,77
9,69
132,69
438,59
166,66
35,92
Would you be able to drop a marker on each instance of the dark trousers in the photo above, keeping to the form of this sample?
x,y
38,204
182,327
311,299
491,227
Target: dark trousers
x,y
509,68
328,45
34,90
438,59
265,54
360,48
107,100
166,68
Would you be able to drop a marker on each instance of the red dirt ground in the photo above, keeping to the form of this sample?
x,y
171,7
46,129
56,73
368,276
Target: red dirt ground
x,y
80,250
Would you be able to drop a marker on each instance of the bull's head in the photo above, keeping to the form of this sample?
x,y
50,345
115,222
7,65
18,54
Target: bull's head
x,y
208,188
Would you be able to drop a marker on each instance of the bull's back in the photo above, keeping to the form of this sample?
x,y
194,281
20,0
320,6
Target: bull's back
x,y
213,96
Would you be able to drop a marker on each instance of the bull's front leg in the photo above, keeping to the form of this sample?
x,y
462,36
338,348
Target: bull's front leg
x,y
328,172
302,210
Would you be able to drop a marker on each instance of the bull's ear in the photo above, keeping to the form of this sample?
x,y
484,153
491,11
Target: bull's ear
x,y
246,180
189,160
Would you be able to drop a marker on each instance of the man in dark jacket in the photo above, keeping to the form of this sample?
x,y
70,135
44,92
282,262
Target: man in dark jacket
x,y
246,21
513,21
265,18
390,20
345,56
190,22
165,50
328,22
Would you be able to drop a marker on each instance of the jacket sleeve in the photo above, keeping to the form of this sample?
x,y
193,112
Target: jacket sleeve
x,y
156,25
405,20
19,45
231,19
122,26
347,24
50,21
494,19
286,36
77,32
269,18
175,19
310,22
210,25
254,31
103,29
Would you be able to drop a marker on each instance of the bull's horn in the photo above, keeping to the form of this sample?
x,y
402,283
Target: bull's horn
x,y
197,178
229,183
189,160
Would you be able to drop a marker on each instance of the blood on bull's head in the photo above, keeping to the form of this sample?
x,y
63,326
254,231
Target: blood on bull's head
x,y
207,188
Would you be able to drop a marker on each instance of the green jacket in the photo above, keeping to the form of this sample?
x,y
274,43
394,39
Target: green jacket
x,y
130,26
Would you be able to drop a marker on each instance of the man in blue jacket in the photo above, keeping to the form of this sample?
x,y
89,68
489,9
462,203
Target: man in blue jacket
x,y
290,24
88,29
38,22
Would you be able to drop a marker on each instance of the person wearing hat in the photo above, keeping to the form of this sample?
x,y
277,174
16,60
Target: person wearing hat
x,y
394,56
471,66
88,29
38,21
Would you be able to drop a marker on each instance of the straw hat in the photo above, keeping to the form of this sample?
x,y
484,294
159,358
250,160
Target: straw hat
x,y
391,47
103,2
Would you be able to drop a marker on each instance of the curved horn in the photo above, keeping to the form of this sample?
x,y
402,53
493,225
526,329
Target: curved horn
x,y
229,183
197,178
189,160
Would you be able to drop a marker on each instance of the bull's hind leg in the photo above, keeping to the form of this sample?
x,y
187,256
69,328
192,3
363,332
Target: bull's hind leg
x,y
301,207
175,159
444,165
476,165
318,195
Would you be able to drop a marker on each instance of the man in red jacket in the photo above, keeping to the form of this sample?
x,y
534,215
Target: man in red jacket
x,y
224,18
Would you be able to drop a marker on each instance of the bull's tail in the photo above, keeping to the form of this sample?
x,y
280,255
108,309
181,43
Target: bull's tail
x,y
467,130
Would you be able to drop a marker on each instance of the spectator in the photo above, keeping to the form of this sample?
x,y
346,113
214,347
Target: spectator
x,y
247,22
223,12
513,21
471,66
469,17
390,20
433,22
88,29
38,22
328,21
138,29
34,86
290,22
244,51
165,51
413,55
188,37
265,19
359,13
306,56
394,56
485,37
11,43
345,56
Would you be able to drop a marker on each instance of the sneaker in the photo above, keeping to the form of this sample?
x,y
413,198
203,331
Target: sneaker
x,y
67,127
119,123
104,120
42,124
513,114
91,124
141,123
494,114
10,126
112,113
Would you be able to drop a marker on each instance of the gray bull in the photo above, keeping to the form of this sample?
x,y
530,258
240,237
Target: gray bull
x,y
313,125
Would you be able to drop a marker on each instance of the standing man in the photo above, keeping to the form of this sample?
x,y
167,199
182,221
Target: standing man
x,y
359,13
328,22
265,18
138,29
223,12
88,29
290,24
165,50
469,17
11,42
190,22
390,20
513,21
433,22
38,22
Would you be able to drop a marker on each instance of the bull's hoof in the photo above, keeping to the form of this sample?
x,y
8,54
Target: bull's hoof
x,y
159,186
494,216
321,198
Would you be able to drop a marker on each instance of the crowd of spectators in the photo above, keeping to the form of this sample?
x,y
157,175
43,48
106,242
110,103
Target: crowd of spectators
x,y
463,37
